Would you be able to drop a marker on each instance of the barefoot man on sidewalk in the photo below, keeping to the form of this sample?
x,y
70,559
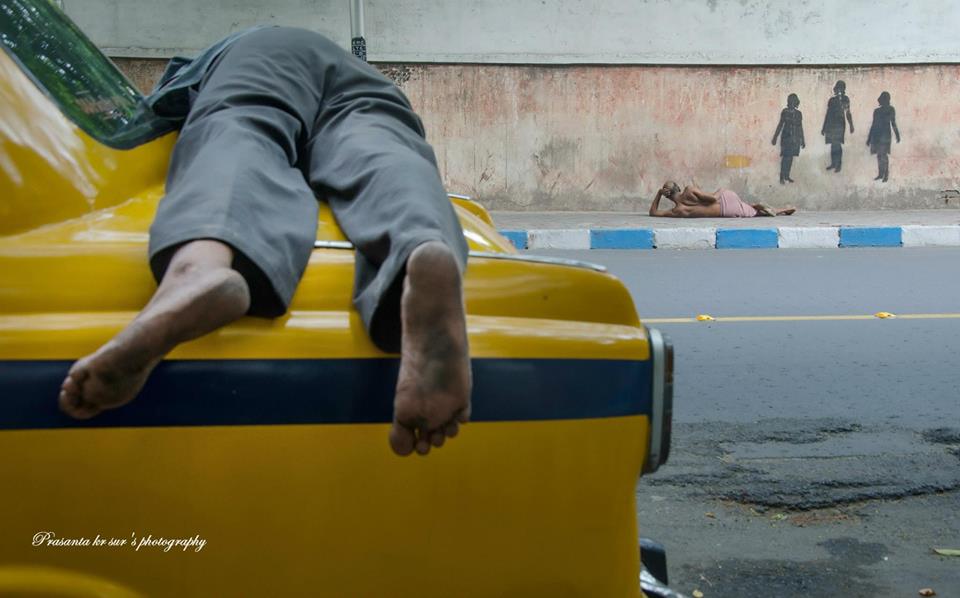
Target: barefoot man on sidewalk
x,y
272,118
694,203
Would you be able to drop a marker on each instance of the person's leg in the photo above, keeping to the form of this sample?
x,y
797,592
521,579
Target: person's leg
x,y
236,228
883,159
381,180
235,174
199,293
838,151
784,169
765,210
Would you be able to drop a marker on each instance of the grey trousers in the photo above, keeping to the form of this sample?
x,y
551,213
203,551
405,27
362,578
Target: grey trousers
x,y
284,116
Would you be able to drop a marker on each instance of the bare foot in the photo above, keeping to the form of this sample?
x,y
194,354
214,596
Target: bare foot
x,y
786,211
184,308
764,210
433,387
109,378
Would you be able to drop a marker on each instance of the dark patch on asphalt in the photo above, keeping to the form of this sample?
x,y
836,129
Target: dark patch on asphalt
x,y
854,551
843,574
809,464
815,434
942,436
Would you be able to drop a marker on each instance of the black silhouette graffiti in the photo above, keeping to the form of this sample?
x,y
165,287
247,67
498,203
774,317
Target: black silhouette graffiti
x,y
884,118
790,131
834,127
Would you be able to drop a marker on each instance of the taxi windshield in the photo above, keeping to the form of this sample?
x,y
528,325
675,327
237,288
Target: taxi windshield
x,y
85,84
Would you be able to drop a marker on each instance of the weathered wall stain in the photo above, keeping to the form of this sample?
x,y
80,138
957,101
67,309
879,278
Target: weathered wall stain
x,y
589,137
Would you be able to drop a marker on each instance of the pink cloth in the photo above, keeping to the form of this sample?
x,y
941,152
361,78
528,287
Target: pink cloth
x,y
731,206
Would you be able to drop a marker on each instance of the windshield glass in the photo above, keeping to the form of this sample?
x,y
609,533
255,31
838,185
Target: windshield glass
x,y
69,68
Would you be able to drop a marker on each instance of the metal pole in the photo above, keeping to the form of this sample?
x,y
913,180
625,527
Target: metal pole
x,y
357,42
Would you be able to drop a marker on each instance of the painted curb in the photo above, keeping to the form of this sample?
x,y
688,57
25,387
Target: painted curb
x,y
517,237
559,239
685,238
855,236
931,236
798,237
621,238
746,238
787,237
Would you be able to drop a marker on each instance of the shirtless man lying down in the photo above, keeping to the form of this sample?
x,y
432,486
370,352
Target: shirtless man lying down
x,y
694,203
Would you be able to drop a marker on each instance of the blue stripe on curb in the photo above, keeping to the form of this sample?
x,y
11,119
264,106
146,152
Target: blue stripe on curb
x,y
621,238
871,237
746,238
517,237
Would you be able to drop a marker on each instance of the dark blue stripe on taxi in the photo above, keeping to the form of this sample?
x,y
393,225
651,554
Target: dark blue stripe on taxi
x,y
304,391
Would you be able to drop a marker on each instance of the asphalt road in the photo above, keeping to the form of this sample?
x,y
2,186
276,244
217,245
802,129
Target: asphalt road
x,y
811,457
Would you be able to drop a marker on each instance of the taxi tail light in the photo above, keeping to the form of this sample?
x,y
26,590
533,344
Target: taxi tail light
x,y
661,413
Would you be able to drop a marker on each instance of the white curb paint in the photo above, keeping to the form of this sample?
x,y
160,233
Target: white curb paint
x,y
684,238
931,236
558,239
790,237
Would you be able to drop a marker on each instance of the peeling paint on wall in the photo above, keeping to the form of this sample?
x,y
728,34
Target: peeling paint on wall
x,y
735,161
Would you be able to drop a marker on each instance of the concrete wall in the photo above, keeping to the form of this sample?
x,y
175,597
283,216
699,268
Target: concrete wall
x,y
606,137
556,31
599,138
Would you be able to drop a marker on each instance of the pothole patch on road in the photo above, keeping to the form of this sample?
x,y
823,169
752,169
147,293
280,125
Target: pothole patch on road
x,y
809,464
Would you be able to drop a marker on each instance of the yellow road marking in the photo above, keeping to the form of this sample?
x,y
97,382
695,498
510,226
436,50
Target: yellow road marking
x,y
835,318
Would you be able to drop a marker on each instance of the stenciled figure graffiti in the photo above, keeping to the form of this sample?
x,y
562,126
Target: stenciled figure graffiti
x,y
694,203
834,127
884,118
790,131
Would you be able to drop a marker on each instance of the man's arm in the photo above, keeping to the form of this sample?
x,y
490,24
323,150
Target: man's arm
x,y
893,121
849,116
655,206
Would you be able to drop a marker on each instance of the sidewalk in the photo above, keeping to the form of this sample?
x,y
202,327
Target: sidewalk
x,y
619,230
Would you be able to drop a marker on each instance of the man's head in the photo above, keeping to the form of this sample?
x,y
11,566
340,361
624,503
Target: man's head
x,y
670,189
840,88
884,98
793,100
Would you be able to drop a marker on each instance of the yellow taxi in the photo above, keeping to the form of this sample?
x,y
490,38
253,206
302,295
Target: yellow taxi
x,y
255,462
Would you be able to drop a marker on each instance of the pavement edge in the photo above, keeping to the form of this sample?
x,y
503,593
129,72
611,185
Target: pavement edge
x,y
785,237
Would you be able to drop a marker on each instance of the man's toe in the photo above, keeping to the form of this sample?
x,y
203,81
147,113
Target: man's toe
x,y
73,405
451,429
70,386
423,446
402,439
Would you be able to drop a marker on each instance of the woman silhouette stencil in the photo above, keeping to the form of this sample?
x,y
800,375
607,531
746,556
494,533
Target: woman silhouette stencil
x,y
834,127
884,118
790,131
